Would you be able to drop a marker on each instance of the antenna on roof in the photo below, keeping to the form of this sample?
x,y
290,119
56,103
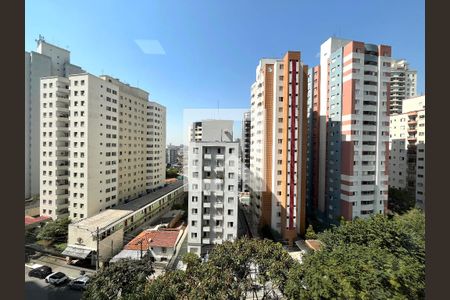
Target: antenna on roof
x,y
40,39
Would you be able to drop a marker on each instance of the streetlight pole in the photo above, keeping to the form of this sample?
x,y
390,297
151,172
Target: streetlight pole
x,y
98,254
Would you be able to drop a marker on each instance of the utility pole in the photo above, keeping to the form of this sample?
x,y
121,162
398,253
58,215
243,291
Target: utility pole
x,y
112,248
97,263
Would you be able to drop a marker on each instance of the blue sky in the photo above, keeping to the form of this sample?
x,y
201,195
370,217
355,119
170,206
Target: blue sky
x,y
208,50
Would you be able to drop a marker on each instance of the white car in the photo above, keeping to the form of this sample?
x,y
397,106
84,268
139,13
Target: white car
x,y
56,278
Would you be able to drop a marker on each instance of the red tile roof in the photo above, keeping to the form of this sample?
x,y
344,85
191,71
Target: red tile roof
x,y
154,238
30,220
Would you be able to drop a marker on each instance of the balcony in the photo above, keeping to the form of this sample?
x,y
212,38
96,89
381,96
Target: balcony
x,y
62,164
218,204
207,180
206,229
412,139
218,193
218,217
220,157
206,217
207,193
218,229
412,122
207,204
206,240
207,168
207,156
219,168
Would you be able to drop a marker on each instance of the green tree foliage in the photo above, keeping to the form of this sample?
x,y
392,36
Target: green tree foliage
x,y
232,271
310,233
378,258
55,230
400,200
129,277
171,173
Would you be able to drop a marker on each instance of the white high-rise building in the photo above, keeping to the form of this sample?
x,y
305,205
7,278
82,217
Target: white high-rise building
x,y
403,85
213,167
104,138
407,149
47,60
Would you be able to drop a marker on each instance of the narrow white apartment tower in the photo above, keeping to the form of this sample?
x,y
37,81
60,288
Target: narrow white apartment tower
x,y
47,60
54,148
213,192
407,149
403,85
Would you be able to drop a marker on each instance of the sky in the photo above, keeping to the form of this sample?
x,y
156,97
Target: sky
x,y
203,54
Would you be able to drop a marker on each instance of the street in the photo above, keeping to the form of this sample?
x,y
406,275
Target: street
x,y
37,289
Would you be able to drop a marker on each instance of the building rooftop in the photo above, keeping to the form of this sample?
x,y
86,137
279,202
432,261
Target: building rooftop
x,y
109,216
149,198
31,220
101,220
154,238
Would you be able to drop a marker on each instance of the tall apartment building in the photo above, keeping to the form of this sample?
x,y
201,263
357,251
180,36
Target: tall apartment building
x,y
172,154
349,130
403,85
47,60
211,130
407,149
213,167
102,145
278,145
245,151
313,140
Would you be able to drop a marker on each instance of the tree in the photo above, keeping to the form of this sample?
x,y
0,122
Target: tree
x,y
129,277
310,233
378,258
55,230
172,173
232,271
400,200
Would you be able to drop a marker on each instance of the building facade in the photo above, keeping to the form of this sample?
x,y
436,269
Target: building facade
x,y
101,145
278,146
47,60
245,151
213,192
407,149
211,130
349,132
118,225
403,85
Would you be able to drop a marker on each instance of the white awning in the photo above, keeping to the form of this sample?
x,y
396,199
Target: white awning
x,y
76,252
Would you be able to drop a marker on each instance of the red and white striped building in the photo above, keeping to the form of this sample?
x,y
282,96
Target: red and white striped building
x,y
348,136
278,145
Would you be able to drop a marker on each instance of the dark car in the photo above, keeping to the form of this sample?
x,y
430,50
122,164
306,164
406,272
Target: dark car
x,y
40,272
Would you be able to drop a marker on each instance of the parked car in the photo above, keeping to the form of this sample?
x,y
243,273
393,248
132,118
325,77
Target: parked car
x,y
79,283
56,278
40,272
